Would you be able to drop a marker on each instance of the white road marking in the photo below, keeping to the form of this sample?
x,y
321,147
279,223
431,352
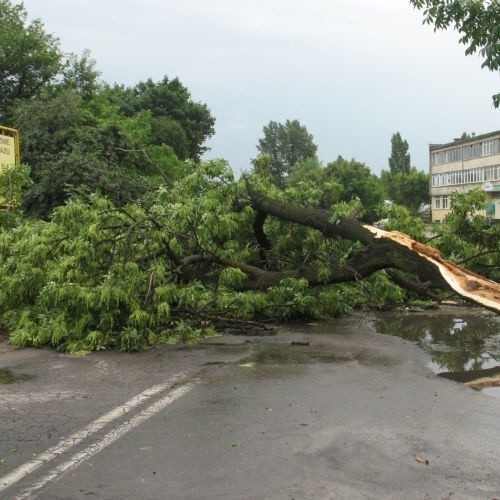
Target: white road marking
x,y
108,439
65,444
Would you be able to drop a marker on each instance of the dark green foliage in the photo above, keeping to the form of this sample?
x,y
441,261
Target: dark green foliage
x,y
69,149
286,144
164,130
357,181
404,184
76,140
29,57
177,120
399,161
477,21
346,185
410,189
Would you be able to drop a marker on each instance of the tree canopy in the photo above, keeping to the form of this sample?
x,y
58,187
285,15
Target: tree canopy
x,y
72,149
81,135
357,182
410,189
29,56
287,144
477,21
176,119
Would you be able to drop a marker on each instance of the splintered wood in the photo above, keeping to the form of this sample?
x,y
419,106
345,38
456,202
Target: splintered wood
x,y
461,280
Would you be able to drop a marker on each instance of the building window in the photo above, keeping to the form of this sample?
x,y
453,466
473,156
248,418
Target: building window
x,y
490,147
472,175
492,173
438,158
441,202
453,155
466,152
496,172
457,177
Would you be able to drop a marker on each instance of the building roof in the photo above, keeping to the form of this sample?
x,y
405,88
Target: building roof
x,y
457,142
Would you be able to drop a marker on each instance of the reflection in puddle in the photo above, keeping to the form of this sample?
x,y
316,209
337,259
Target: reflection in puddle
x,y
9,377
464,347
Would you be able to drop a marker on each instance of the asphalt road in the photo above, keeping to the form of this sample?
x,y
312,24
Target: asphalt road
x,y
328,411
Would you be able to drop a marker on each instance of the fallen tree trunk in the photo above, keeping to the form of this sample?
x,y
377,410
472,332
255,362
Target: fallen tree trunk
x,y
382,250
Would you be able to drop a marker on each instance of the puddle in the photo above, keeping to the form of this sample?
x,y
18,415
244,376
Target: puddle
x,y
9,377
464,344
302,354
285,354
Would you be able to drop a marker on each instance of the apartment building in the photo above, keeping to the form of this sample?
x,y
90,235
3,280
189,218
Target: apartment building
x,y
462,165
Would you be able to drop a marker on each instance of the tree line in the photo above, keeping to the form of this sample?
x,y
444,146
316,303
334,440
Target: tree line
x,y
288,156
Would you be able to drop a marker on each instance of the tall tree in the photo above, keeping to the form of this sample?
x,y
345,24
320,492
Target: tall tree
x,y
399,161
178,121
29,56
404,184
477,21
287,144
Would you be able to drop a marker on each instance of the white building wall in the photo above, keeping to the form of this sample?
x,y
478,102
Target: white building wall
x,y
453,168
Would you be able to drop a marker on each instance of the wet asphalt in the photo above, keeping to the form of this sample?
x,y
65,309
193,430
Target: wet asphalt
x,y
334,410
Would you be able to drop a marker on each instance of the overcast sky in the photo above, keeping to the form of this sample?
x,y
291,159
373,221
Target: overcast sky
x,y
352,71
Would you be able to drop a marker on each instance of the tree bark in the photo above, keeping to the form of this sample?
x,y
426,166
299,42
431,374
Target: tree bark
x,y
383,250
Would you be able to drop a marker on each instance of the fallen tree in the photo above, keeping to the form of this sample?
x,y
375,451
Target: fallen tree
x,y
201,254
383,250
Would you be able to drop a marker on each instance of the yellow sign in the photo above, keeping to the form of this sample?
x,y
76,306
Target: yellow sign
x,y
9,158
7,151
